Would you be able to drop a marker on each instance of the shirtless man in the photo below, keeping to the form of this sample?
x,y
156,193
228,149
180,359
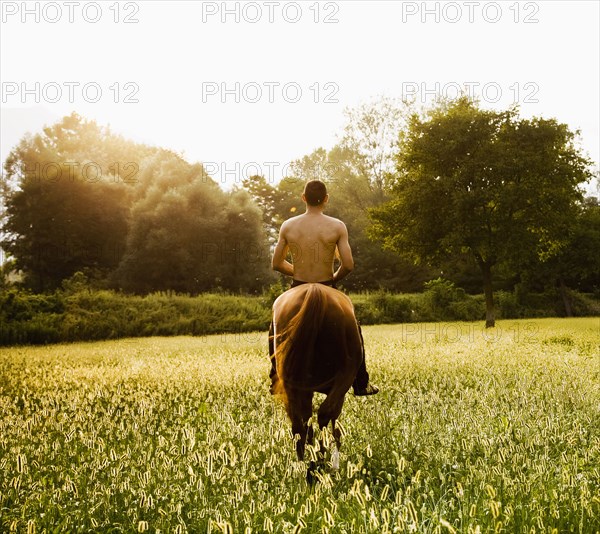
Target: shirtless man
x,y
315,240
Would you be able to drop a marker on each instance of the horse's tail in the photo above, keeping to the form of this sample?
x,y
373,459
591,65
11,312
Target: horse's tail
x,y
295,347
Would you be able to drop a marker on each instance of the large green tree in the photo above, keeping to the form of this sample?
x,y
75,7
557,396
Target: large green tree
x,y
186,234
67,206
482,182
266,196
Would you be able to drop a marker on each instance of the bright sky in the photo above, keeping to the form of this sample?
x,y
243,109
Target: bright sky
x,y
247,87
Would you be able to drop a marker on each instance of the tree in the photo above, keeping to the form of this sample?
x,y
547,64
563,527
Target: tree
x,y
580,261
186,234
288,199
371,133
577,264
264,196
5,190
482,182
67,208
246,250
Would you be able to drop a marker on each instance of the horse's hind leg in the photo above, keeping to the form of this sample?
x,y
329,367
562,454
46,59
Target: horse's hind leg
x,y
299,411
329,411
299,431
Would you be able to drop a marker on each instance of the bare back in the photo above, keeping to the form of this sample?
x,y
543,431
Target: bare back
x,y
313,239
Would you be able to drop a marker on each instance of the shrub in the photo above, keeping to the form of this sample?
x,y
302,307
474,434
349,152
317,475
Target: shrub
x,y
393,308
467,309
366,312
507,305
78,313
443,301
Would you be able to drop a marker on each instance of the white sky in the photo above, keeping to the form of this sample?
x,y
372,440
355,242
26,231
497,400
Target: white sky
x,y
543,54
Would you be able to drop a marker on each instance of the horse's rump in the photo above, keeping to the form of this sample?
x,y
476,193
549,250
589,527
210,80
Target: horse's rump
x,y
316,339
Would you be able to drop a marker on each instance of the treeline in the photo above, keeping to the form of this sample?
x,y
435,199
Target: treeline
x,y
133,217
141,219
77,313
485,199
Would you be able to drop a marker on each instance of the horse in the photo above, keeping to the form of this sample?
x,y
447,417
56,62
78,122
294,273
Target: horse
x,y
317,349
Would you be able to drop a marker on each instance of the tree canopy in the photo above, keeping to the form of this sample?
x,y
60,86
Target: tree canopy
x,y
454,191
135,217
483,182
67,207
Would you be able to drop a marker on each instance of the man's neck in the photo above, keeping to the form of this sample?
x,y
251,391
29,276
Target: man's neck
x,y
313,210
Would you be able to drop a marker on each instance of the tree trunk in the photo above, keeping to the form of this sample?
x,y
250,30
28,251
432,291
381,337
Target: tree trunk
x,y
564,293
490,313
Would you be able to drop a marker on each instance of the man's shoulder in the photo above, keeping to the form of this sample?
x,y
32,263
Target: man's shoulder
x,y
336,222
291,221
300,221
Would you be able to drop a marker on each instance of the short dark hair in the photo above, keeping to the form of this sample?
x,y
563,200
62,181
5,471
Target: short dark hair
x,y
315,192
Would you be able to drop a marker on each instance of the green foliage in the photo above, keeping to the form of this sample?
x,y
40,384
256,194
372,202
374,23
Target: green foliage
x,y
550,304
473,431
76,283
439,293
265,195
577,264
79,314
30,318
394,308
68,207
82,313
148,221
187,235
383,307
584,304
274,290
442,300
19,305
483,182
508,305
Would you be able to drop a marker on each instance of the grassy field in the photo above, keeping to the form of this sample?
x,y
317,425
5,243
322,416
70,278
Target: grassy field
x,y
473,431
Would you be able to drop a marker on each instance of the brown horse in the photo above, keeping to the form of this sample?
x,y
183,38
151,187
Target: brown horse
x,y
317,349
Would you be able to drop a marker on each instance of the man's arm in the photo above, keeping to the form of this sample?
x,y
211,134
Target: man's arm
x,y
345,255
279,263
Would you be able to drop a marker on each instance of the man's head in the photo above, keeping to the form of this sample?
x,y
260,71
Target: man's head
x,y
315,193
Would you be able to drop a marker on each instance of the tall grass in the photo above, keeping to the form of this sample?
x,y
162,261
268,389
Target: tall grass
x,y
473,431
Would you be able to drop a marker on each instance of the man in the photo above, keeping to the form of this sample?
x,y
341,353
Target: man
x,y
315,240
